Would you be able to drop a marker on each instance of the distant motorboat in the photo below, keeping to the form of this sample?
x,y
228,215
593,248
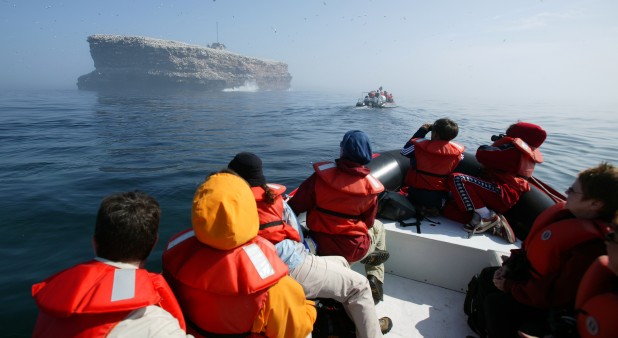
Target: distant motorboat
x,y
376,99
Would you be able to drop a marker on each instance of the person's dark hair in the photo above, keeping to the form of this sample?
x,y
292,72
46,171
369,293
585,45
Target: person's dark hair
x,y
601,183
269,195
127,226
446,129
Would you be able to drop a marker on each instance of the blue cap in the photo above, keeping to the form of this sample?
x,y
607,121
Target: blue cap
x,y
356,147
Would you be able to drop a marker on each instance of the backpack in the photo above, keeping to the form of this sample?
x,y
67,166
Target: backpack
x,y
394,206
332,321
473,299
479,287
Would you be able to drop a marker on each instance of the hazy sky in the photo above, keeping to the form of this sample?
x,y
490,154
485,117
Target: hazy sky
x,y
498,49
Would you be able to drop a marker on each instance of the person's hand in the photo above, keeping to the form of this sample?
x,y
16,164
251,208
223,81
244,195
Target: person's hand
x,y
427,126
501,272
499,278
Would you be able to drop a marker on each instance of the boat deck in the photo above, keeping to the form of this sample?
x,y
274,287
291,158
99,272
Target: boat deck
x,y
422,310
428,274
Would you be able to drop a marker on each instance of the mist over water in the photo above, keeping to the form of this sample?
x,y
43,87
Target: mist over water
x,y
63,151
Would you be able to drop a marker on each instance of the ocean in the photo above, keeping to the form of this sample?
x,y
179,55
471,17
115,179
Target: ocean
x,y
64,150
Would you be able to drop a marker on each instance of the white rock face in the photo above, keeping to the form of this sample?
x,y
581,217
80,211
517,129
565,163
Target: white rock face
x,y
133,62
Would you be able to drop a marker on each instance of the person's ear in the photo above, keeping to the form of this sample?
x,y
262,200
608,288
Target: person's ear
x,y
596,206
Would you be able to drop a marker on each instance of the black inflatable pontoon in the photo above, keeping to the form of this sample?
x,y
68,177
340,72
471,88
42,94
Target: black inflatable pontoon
x,y
390,168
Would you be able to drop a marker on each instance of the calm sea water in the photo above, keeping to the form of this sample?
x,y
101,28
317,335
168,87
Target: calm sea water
x,y
62,151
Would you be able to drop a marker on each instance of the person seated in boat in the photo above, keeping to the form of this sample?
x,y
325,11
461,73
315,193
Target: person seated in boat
x,y
372,99
320,276
340,199
507,164
431,161
596,302
228,280
545,273
112,295
389,96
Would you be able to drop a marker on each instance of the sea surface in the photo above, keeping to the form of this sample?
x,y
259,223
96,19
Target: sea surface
x,y
62,151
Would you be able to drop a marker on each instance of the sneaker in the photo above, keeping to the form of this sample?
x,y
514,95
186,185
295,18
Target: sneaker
x,y
376,258
504,230
483,225
376,289
386,324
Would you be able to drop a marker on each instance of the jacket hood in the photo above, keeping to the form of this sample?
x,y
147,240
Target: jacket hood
x,y
530,133
355,146
224,213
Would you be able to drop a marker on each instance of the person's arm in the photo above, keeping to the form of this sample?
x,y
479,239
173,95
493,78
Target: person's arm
x,y
286,313
151,321
304,197
408,148
290,218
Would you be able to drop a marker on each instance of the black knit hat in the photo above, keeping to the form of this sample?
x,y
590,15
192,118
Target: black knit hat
x,y
249,167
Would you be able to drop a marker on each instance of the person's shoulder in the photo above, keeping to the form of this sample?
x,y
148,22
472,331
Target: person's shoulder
x,y
150,321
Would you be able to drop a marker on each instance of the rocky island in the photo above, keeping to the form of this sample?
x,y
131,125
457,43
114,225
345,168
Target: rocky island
x,y
138,63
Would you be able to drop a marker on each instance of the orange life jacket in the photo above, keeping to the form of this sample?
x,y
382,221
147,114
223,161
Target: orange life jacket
x,y
434,161
340,200
221,291
597,301
272,226
90,299
554,233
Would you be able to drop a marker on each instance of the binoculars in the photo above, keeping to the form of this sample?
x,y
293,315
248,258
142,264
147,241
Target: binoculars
x,y
495,138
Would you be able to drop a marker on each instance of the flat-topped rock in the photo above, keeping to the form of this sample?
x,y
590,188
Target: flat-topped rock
x,y
134,62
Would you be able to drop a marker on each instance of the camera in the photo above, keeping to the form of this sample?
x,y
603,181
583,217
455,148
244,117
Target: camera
x,y
495,138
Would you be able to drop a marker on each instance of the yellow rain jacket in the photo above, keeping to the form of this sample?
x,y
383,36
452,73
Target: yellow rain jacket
x,y
223,263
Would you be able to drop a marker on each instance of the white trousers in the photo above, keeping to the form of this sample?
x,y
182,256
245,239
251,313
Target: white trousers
x,y
331,277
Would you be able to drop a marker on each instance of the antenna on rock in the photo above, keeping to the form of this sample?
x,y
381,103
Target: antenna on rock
x,y
217,45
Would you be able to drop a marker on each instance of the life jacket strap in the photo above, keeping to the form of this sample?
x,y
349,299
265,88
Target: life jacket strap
x,y
270,224
338,214
430,174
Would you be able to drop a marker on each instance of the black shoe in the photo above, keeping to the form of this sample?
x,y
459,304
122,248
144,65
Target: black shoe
x,y
376,289
386,324
376,258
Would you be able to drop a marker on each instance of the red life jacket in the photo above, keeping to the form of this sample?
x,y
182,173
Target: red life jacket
x,y
221,291
554,233
272,226
434,161
597,301
90,299
519,160
340,200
